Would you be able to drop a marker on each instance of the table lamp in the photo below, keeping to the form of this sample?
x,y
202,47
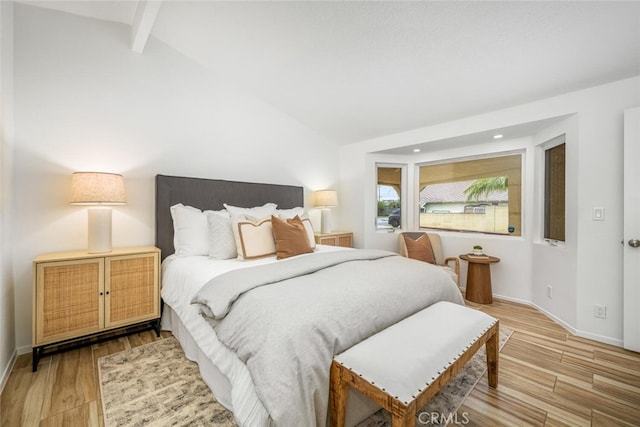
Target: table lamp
x,y
325,200
100,189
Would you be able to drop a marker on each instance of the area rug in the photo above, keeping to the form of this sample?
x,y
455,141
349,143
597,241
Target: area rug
x,y
155,385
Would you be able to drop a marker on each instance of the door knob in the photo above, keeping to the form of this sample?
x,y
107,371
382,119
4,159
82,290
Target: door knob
x,y
634,243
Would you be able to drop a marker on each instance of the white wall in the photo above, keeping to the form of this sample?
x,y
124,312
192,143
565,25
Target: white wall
x,y
586,271
7,321
556,266
85,101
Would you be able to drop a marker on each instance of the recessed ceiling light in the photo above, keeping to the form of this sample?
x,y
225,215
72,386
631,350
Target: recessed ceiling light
x,y
416,150
498,136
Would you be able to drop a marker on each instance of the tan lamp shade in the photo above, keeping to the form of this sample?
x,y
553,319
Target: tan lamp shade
x,y
88,188
325,199
98,188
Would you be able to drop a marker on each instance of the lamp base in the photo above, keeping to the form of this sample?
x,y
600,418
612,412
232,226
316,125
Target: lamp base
x,y
99,230
326,221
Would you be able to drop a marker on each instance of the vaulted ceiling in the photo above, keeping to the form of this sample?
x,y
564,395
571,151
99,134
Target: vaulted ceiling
x,y
359,70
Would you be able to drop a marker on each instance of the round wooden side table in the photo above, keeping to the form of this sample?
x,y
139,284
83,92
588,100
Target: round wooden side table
x,y
479,278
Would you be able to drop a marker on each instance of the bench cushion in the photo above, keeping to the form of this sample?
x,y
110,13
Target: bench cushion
x,y
408,356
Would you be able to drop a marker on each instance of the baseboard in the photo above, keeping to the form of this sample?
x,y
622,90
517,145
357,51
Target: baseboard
x,y
556,319
24,350
511,299
582,334
600,338
8,369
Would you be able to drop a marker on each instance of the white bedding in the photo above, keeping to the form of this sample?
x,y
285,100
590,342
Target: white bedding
x,y
227,376
182,278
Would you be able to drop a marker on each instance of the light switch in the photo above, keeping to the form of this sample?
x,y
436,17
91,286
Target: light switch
x,y
597,214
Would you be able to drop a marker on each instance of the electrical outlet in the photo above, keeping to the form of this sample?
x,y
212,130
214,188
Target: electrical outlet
x,y
600,311
597,214
549,292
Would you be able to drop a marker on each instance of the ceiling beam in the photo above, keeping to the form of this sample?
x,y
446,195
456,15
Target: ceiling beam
x,y
145,17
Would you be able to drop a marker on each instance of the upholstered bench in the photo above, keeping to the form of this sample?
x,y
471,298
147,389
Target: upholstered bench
x,y
402,367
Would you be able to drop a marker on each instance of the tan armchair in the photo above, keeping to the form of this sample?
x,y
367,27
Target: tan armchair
x,y
436,245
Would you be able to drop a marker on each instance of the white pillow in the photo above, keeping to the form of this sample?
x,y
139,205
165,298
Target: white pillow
x,y
254,237
222,243
189,231
310,233
290,213
259,212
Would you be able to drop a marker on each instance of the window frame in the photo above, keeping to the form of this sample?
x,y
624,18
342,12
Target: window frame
x,y
544,149
402,195
522,152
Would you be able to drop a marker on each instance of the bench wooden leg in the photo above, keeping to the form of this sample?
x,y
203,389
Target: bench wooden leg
x,y
337,396
404,416
408,421
492,358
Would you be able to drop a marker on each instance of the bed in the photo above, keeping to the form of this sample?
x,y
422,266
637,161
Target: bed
x,y
263,331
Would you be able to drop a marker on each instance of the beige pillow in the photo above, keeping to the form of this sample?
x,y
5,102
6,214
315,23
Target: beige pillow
x,y
290,237
254,237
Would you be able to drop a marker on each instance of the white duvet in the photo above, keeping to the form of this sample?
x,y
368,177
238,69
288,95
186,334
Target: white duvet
x,y
182,278
315,314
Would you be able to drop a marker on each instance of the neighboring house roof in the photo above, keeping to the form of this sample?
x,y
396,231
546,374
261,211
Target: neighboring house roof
x,y
453,192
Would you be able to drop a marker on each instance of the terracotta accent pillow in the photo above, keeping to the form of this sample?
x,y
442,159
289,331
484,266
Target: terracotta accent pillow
x,y
290,236
290,213
420,248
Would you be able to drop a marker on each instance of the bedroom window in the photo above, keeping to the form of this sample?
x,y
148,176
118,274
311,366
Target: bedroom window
x,y
554,190
481,195
388,192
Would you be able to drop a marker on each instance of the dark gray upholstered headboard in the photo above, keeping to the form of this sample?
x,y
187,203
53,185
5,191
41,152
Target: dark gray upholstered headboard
x,y
211,194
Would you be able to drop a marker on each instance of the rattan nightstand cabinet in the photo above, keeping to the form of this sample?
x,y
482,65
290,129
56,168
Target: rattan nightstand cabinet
x,y
336,238
79,295
131,288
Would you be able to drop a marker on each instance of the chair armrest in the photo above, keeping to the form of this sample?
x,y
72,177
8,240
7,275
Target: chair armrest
x,y
456,261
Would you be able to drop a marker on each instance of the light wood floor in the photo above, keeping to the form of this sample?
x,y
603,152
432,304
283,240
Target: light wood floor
x,y
547,377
